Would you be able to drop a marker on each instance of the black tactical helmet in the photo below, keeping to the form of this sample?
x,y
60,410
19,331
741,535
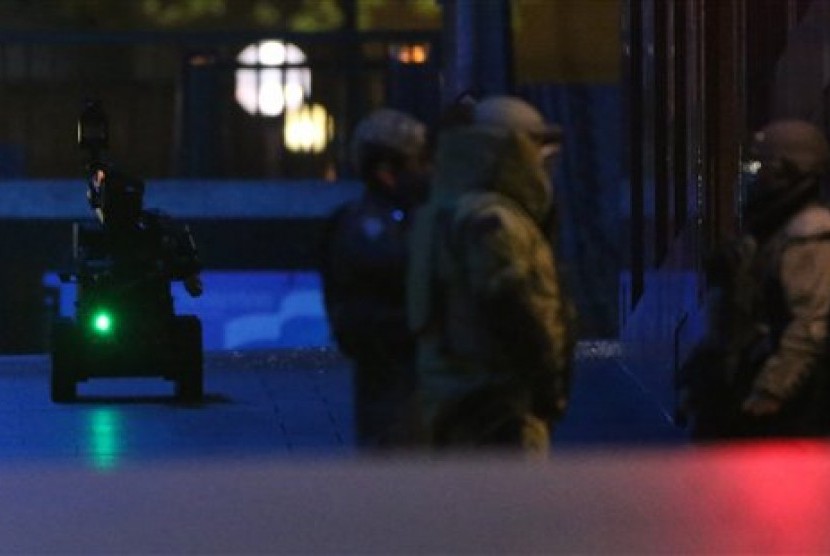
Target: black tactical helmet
x,y
789,157
792,145
390,129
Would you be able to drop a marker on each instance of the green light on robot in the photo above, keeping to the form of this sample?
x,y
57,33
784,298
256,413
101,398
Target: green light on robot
x,y
102,322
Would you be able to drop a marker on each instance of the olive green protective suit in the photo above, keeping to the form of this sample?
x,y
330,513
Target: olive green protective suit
x,y
484,296
797,280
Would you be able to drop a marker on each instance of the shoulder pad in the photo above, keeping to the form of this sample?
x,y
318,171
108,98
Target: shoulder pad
x,y
811,221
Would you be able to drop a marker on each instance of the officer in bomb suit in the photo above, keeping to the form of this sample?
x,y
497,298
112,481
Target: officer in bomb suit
x,y
495,329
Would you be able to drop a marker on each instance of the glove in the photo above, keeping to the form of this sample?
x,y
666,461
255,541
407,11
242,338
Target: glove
x,y
761,404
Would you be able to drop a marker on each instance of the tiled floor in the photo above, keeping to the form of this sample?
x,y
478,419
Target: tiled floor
x,y
255,404
260,404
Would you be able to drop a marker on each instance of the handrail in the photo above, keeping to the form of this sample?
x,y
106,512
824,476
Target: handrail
x,y
199,37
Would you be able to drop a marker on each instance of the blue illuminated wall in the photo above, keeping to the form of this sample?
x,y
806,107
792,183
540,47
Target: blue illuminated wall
x,y
590,192
243,310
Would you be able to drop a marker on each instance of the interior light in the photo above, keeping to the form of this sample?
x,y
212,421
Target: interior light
x,y
410,53
308,129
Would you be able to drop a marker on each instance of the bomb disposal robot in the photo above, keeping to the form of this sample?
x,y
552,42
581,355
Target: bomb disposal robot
x,y
123,264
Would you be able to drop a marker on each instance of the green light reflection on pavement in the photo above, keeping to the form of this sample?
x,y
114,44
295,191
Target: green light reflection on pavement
x,y
104,438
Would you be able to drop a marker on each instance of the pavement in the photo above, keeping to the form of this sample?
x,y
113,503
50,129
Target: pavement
x,y
267,465
268,403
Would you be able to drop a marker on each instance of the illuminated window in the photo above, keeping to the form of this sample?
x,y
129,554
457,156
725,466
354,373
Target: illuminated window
x,y
272,78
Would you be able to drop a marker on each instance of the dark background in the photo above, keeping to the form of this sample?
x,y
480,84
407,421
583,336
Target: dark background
x,y
165,73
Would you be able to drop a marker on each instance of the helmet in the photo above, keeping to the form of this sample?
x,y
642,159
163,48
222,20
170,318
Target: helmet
x,y
796,144
790,158
391,129
515,114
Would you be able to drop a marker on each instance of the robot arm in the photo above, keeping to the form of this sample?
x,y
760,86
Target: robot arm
x,y
180,255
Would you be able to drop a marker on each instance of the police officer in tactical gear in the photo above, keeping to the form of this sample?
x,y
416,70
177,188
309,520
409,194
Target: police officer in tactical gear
x,y
495,330
364,269
771,322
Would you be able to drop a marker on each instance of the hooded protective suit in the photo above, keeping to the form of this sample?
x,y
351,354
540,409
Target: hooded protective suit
x,y
485,298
